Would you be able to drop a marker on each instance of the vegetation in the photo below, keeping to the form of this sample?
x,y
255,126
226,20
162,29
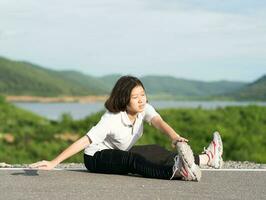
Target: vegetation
x,y
242,129
26,137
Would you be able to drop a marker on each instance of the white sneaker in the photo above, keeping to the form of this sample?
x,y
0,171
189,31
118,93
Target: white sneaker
x,y
215,151
185,166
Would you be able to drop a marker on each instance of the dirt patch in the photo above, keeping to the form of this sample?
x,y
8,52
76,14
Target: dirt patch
x,y
79,99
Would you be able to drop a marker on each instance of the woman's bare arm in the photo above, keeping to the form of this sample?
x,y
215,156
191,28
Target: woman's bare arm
x,y
74,148
160,124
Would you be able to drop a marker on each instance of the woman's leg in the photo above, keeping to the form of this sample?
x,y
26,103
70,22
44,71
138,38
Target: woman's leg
x,y
157,154
112,161
212,156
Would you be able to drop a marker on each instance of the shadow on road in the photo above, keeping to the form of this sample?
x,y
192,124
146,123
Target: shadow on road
x,y
27,172
86,171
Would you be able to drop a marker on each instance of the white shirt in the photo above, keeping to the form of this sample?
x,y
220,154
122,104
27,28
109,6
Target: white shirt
x,y
116,131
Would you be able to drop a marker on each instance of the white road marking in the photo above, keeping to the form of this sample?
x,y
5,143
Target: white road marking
x,y
56,169
240,170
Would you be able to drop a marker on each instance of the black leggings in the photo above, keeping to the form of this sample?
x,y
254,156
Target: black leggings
x,y
151,161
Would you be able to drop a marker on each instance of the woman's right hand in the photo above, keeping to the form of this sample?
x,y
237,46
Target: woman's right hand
x,y
43,165
178,139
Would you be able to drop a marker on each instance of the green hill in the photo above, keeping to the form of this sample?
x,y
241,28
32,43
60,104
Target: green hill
x,y
89,83
187,88
110,80
253,91
171,86
23,78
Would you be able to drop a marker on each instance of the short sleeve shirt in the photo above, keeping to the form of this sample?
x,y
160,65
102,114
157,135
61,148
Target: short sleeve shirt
x,y
116,131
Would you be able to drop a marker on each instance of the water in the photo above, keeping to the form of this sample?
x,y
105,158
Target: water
x,y
55,110
80,110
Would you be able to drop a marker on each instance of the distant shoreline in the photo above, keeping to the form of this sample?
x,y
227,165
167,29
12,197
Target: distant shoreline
x,y
102,98
37,99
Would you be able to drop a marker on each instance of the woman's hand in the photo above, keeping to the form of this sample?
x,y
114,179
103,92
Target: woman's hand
x,y
43,165
178,139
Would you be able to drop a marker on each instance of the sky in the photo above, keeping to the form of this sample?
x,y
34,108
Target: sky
x,y
207,40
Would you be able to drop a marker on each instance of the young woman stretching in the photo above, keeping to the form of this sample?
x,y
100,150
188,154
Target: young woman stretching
x,y
109,145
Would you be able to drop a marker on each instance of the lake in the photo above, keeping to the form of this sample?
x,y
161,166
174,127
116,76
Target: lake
x,y
80,110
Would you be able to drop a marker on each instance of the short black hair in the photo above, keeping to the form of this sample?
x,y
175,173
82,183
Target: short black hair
x,y
120,95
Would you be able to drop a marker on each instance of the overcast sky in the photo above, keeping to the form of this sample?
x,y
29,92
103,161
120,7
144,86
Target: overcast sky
x,y
194,39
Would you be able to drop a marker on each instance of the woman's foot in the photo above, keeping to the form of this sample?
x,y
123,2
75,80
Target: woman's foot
x,y
185,167
215,151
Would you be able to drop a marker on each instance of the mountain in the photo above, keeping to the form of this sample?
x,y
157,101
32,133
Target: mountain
x,y
89,83
253,91
189,88
168,85
110,80
24,78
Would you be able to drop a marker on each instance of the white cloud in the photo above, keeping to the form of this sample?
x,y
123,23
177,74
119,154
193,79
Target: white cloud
x,y
101,37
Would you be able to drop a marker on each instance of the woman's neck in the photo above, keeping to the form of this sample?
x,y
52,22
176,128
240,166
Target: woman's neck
x,y
132,116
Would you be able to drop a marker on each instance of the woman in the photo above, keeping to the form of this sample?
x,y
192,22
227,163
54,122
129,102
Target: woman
x,y
108,145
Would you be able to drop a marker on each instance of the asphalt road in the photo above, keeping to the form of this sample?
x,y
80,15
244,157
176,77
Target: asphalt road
x,y
81,185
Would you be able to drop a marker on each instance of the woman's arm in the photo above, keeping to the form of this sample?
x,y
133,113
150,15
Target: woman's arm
x,y
160,124
74,148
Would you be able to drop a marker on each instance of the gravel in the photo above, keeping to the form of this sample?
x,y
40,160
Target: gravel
x,y
242,165
227,165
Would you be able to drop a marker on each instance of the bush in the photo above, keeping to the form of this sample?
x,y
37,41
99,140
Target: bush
x,y
2,99
243,130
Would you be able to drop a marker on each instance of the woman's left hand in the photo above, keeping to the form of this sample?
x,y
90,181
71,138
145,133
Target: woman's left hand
x,y
43,165
178,139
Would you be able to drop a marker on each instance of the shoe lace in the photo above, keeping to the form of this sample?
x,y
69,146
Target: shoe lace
x,y
205,150
175,167
208,152
208,149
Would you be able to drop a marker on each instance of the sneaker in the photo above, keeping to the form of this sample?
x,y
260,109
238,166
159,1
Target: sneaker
x,y
185,166
215,151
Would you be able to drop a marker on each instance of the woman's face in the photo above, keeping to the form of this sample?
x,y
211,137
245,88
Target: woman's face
x,y
137,100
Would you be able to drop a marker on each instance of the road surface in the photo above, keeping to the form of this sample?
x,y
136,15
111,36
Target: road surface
x,y
79,184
